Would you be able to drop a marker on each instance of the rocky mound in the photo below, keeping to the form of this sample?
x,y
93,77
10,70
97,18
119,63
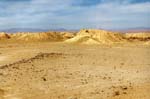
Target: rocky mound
x,y
42,36
91,36
138,36
4,36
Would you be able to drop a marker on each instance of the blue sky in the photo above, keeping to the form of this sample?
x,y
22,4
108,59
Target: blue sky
x,y
74,14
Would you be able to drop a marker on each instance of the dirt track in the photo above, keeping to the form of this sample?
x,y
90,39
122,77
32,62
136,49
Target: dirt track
x,y
61,71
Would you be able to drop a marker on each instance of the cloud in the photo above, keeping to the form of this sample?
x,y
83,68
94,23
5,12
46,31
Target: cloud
x,y
87,2
74,14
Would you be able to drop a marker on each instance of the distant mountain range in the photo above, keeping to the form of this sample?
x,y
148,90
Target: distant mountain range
x,y
14,30
132,30
129,30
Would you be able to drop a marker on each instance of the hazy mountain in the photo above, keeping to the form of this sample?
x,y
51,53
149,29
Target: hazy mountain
x,y
132,30
13,30
129,30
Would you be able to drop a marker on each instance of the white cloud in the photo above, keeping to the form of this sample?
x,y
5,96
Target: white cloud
x,y
61,13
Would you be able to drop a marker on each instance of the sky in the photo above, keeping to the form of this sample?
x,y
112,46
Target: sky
x,y
74,14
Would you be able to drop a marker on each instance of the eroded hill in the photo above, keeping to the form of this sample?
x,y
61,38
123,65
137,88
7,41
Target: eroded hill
x,y
85,36
41,36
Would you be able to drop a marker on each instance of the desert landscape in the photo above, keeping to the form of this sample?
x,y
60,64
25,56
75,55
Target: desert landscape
x,y
88,64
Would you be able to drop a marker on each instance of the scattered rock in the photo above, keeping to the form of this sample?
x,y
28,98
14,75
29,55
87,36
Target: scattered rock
x,y
117,93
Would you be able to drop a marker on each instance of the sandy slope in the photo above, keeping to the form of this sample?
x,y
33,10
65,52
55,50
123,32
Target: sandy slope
x,y
63,71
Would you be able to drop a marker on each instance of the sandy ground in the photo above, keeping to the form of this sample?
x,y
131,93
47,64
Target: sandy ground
x,y
62,71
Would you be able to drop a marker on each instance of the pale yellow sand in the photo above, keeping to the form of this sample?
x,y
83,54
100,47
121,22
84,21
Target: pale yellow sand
x,y
63,71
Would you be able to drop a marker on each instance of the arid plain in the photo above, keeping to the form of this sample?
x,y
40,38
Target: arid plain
x,y
90,64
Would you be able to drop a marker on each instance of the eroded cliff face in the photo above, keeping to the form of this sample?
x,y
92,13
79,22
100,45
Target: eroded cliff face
x,y
41,36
